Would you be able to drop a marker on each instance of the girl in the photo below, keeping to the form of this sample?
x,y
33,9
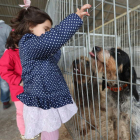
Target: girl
x,y
47,99
11,70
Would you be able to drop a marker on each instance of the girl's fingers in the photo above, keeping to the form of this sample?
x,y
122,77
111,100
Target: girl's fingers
x,y
85,14
81,13
86,6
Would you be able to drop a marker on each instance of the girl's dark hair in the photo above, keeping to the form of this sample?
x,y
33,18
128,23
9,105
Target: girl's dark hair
x,y
21,23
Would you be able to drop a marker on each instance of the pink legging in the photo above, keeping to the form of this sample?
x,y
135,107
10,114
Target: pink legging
x,y
50,136
20,121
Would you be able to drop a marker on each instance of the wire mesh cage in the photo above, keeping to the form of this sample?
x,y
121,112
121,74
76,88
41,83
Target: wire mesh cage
x,y
122,33
100,64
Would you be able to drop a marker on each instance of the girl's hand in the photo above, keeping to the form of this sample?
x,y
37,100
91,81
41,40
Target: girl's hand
x,y
81,12
21,83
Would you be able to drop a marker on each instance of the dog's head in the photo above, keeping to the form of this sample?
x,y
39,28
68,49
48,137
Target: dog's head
x,y
81,67
107,58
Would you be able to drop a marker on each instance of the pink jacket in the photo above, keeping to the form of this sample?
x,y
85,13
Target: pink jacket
x,y
11,70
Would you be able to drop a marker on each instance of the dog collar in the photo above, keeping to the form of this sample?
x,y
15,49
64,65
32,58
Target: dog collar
x,y
115,89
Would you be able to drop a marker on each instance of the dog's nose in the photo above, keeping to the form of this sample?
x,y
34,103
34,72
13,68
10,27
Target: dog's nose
x,y
97,49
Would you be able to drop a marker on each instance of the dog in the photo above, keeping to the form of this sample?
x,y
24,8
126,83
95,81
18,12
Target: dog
x,y
87,95
106,59
83,91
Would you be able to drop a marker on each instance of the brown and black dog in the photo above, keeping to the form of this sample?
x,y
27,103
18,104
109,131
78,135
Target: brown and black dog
x,y
83,92
123,73
87,99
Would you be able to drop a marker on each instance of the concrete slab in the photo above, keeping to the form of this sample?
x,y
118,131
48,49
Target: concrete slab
x,y
8,127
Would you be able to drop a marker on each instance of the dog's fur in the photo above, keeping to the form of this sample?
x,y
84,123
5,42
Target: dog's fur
x,y
85,98
123,64
83,91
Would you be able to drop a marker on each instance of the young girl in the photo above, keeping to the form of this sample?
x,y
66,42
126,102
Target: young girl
x,y
47,99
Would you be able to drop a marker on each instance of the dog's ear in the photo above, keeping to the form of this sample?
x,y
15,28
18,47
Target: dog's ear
x,y
134,89
126,77
103,83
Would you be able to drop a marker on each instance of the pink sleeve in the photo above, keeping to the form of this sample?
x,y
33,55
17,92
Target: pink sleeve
x,y
7,70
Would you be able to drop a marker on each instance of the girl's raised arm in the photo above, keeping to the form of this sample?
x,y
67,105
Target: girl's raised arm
x,y
49,43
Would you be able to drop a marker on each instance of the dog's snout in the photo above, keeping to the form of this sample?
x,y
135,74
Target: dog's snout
x,y
97,49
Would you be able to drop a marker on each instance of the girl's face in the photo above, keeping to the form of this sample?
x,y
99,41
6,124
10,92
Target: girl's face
x,y
40,29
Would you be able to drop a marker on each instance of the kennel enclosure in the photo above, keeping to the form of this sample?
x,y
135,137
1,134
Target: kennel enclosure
x,y
112,23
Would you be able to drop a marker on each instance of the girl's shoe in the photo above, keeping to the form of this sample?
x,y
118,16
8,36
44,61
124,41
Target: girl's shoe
x,y
23,137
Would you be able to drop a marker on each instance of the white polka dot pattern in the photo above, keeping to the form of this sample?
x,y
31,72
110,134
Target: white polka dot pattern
x,y
44,85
